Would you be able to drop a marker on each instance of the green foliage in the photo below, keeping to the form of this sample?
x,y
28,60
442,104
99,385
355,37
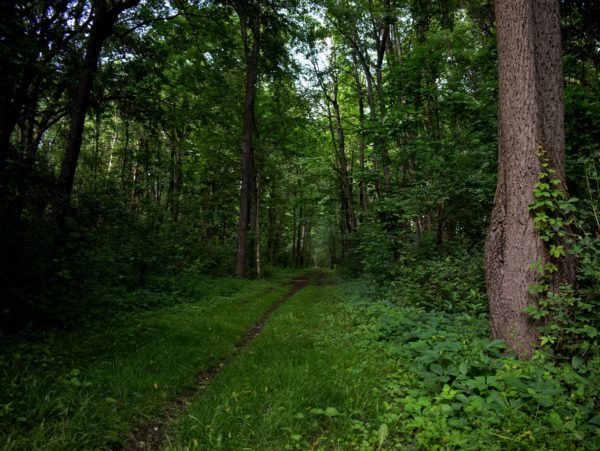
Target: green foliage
x,y
445,175
453,283
137,269
450,386
565,314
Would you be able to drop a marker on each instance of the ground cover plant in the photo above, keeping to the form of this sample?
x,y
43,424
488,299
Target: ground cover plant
x,y
300,385
451,386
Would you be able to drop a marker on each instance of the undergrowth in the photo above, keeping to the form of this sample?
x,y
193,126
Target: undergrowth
x,y
451,387
304,383
453,283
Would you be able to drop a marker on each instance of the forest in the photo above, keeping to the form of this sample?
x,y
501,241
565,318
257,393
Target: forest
x,y
299,224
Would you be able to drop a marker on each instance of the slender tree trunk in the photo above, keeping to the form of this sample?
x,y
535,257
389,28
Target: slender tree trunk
x,y
363,199
299,238
379,147
340,146
126,164
134,188
381,33
175,180
113,142
345,182
257,254
531,114
97,129
338,142
440,231
305,261
362,56
294,230
301,241
172,170
274,232
397,41
251,51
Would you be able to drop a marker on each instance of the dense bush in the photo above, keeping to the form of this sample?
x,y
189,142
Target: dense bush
x,y
454,283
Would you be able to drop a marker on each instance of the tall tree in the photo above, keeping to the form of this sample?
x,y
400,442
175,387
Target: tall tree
x,y
105,16
367,33
363,199
531,115
249,15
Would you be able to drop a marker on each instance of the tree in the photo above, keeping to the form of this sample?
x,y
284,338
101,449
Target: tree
x,y
531,115
105,18
249,16
367,34
330,90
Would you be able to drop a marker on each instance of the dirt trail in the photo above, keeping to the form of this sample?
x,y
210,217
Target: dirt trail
x,y
151,435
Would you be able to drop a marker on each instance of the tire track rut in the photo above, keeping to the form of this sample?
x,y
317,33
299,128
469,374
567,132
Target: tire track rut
x,y
151,435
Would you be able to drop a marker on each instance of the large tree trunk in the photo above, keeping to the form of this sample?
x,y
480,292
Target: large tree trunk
x,y
251,51
531,114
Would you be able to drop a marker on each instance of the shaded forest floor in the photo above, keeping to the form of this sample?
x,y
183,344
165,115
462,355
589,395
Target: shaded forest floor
x,y
296,361
201,374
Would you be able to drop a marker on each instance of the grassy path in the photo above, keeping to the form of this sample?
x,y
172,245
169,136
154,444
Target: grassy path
x,y
303,383
151,434
88,389
241,371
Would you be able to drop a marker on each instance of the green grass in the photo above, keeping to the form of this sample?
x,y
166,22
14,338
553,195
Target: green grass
x,y
87,388
305,382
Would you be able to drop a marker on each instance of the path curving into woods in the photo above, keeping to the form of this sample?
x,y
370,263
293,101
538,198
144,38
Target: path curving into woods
x,y
151,435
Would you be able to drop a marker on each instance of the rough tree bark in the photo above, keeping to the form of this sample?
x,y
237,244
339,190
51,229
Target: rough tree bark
x,y
248,19
531,114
